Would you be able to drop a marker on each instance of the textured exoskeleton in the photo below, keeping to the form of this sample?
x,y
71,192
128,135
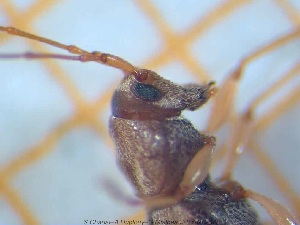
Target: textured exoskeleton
x,y
155,144
209,204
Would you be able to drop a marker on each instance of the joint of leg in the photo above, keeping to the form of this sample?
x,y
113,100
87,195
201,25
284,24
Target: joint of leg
x,y
235,189
210,140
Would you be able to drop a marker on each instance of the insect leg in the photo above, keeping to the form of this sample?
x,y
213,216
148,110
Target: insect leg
x,y
279,214
238,139
196,171
244,124
198,168
223,103
223,106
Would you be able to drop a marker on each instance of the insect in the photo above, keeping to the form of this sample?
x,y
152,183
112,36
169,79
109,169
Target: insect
x,y
161,153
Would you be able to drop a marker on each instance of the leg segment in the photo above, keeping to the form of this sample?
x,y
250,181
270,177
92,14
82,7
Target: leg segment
x,y
223,105
243,125
195,173
279,214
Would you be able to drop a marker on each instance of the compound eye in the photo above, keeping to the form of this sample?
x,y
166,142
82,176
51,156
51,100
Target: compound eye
x,y
146,92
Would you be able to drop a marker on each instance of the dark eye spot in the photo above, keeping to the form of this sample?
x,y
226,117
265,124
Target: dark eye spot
x,y
146,92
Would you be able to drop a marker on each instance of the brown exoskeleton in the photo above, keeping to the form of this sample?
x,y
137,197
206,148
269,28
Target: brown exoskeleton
x,y
163,155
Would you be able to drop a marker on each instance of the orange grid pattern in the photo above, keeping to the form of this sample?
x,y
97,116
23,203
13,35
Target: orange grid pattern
x,y
87,113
